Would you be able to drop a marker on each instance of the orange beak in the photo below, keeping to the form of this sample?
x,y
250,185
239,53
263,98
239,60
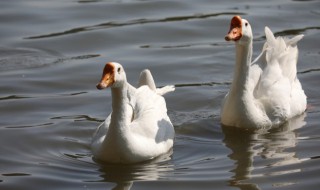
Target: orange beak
x,y
235,32
107,78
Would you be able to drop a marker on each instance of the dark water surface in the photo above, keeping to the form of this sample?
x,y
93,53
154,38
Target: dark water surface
x,y
51,57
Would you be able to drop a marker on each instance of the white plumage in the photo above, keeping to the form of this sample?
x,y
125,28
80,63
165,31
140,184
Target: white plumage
x,y
265,92
138,129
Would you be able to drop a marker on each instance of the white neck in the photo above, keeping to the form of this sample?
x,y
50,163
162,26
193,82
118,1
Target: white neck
x,y
241,74
241,92
121,113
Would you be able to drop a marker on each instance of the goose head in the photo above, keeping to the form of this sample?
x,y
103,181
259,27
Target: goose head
x,y
240,31
113,76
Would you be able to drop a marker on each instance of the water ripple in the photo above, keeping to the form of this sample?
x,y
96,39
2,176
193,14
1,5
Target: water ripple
x,y
289,32
21,58
13,97
309,71
18,97
78,118
16,174
29,126
296,31
202,84
114,24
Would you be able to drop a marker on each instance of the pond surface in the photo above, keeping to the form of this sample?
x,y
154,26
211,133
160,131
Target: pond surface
x,y
52,54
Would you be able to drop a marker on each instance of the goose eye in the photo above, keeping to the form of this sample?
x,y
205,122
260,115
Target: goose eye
x,y
246,24
119,69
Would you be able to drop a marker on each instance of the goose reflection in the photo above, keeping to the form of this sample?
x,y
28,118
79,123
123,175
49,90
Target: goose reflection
x,y
123,185
270,148
124,175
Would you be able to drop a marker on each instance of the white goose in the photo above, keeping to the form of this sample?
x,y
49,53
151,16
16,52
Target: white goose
x,y
138,129
266,92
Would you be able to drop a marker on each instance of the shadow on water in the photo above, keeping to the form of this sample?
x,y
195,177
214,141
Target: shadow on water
x,y
272,146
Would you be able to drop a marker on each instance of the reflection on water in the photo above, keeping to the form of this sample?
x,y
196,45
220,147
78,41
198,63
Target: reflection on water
x,y
123,186
274,146
50,57
123,175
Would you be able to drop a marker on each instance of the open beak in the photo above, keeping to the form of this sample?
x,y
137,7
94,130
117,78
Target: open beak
x,y
235,32
107,78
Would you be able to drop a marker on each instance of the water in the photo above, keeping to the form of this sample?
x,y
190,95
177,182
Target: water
x,y
51,57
